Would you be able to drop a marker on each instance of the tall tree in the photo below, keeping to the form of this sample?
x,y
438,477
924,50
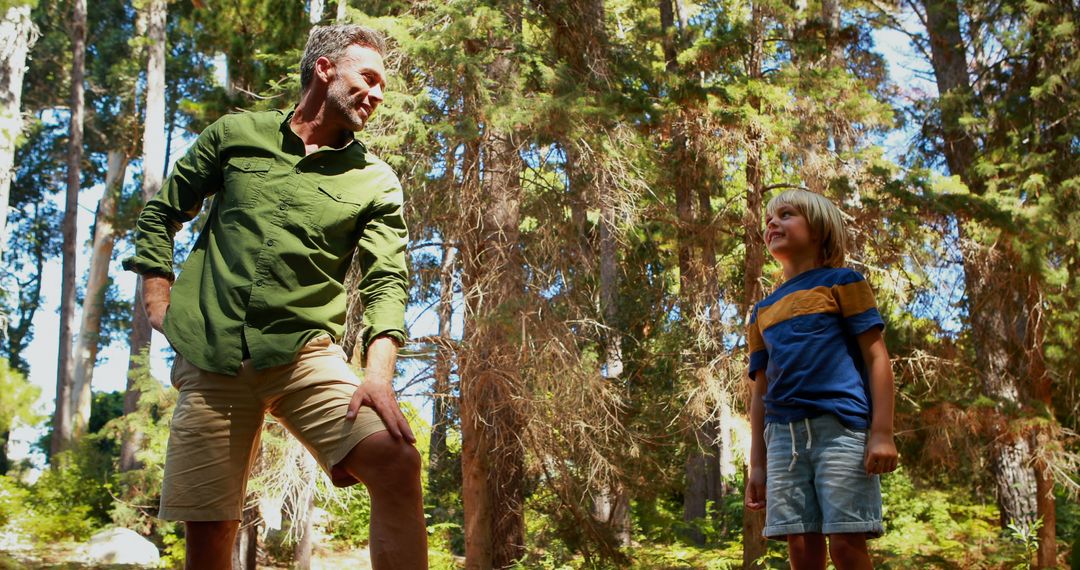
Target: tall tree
x,y
89,341
17,34
440,419
492,459
65,365
754,522
995,290
582,48
153,171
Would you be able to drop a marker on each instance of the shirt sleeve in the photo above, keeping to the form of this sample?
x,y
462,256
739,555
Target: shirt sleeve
x,y
384,276
857,305
759,356
196,175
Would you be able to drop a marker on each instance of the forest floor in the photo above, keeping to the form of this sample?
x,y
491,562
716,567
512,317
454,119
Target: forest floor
x,y
65,556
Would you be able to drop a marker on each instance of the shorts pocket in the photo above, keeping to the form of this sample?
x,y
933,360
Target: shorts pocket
x,y
175,372
859,434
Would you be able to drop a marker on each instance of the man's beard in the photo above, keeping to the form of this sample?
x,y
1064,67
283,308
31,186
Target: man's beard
x,y
341,104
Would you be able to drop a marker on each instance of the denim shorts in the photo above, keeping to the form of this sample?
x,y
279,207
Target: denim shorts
x,y
816,481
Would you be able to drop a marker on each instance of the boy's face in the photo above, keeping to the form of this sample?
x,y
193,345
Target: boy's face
x,y
788,235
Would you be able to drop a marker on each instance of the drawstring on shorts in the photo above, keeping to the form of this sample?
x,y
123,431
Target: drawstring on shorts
x,y
794,453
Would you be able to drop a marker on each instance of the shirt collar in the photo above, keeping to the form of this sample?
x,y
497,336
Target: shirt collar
x,y
352,145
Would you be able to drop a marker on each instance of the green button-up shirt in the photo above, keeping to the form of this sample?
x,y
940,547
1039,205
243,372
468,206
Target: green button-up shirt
x,y
283,227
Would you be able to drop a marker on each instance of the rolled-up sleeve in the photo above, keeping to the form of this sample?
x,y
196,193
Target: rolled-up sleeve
x,y
196,175
384,278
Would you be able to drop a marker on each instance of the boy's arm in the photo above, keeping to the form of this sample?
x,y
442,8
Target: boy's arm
x,y
755,484
881,456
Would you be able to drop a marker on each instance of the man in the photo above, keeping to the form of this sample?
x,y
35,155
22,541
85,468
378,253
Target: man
x,y
260,302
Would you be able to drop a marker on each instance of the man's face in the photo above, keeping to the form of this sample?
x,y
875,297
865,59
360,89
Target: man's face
x,y
356,87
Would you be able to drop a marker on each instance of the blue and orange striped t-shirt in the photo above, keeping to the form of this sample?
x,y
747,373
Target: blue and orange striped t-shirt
x,y
804,336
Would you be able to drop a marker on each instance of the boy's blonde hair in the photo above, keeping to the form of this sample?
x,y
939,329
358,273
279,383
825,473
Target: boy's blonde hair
x,y
824,218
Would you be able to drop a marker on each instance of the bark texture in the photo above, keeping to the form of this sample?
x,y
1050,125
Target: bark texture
x,y
104,240
17,35
754,546
995,289
65,369
492,458
154,144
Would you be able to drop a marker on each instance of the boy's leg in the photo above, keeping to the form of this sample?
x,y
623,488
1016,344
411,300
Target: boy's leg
x,y
850,499
806,551
209,544
848,551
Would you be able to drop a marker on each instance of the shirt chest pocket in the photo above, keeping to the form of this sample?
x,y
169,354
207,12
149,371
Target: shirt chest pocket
x,y
336,213
244,177
816,313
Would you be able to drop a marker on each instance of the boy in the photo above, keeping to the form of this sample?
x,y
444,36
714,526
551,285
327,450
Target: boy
x,y
821,408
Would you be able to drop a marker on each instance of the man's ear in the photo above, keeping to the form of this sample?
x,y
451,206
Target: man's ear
x,y
324,69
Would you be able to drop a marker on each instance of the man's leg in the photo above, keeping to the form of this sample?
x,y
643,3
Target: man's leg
x,y
390,469
209,544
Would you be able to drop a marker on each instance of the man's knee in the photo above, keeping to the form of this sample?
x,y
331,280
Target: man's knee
x,y
380,458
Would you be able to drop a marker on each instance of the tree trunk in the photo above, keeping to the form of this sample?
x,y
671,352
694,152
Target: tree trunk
x,y
104,240
306,544
954,88
62,434
342,12
754,546
315,11
580,40
246,548
17,34
493,461
440,412
154,160
992,283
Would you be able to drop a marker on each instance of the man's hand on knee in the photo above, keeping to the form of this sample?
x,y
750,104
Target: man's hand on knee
x,y
378,394
377,390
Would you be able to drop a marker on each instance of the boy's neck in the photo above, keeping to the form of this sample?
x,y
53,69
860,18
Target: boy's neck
x,y
794,267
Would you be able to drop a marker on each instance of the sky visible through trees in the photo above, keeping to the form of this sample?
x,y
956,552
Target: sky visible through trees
x,y
112,366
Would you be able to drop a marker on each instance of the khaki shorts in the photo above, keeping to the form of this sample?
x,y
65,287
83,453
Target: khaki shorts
x,y
219,418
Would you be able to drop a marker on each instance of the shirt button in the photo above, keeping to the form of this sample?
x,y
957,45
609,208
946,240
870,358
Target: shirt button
x,y
297,170
269,243
281,206
258,283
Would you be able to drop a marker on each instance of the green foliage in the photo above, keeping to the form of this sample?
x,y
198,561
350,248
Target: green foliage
x,y
12,500
17,398
932,527
350,517
71,500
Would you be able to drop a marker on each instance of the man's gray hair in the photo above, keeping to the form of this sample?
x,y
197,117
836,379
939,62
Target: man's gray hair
x,y
331,42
